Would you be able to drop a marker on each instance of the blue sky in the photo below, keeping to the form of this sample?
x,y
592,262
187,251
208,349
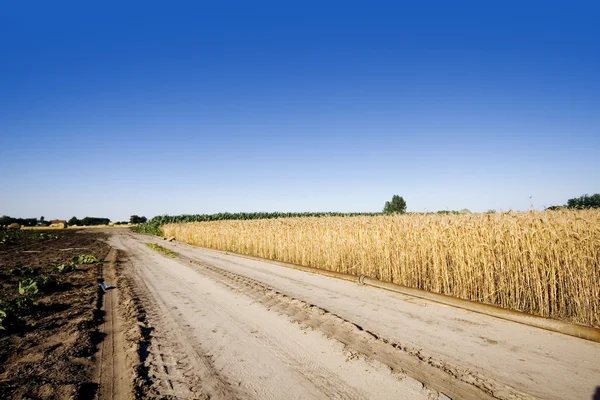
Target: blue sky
x,y
201,107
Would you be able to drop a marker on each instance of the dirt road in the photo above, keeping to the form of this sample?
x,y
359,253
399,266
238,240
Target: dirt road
x,y
223,326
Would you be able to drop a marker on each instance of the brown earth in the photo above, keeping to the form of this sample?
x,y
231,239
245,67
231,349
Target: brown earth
x,y
54,358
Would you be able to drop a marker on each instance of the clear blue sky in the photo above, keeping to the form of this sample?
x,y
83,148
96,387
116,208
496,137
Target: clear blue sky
x,y
109,109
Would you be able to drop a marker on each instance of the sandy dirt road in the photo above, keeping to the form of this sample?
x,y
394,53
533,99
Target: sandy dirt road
x,y
224,326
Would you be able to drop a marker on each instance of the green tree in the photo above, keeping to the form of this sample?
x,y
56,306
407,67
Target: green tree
x,y
90,221
397,205
5,220
585,201
134,219
73,221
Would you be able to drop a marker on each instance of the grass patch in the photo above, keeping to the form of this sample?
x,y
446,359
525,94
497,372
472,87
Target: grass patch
x,y
160,249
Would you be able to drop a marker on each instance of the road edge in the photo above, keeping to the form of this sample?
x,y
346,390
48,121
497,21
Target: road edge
x,y
553,325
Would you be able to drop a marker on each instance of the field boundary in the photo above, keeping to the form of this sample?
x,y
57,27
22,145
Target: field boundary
x,y
553,325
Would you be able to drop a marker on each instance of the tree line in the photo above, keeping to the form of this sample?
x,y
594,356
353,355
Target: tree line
x,y
6,220
88,221
581,202
396,206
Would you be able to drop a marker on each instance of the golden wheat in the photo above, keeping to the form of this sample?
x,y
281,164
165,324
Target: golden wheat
x,y
544,263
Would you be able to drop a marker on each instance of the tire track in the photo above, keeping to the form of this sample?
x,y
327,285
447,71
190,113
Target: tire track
x,y
442,377
253,350
173,368
287,351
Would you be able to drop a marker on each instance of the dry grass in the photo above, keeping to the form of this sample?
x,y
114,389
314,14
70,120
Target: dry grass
x,y
544,263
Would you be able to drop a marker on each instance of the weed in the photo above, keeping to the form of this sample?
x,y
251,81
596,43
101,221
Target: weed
x,y
159,248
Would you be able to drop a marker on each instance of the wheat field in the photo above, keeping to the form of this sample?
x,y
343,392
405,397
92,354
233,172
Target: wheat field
x,y
545,263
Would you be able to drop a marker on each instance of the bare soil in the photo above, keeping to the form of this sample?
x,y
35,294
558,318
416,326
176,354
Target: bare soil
x,y
51,354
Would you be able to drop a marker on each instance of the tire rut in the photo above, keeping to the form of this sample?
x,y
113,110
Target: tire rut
x,y
171,368
442,377
322,378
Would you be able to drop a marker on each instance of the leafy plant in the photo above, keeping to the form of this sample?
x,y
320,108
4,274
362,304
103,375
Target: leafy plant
x,y
46,236
85,259
28,287
11,312
35,285
23,271
24,303
63,268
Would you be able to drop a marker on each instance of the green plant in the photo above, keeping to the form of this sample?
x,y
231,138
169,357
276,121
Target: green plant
x,y
62,268
24,303
35,285
28,287
46,236
11,312
85,259
9,237
22,271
